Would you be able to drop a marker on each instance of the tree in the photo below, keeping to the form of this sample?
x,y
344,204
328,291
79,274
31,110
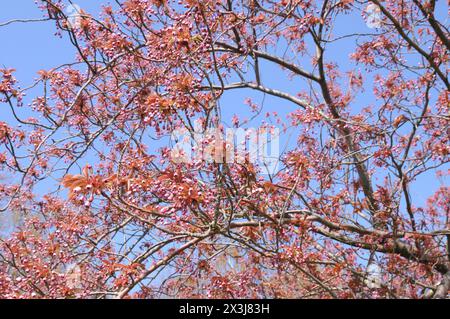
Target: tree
x,y
337,219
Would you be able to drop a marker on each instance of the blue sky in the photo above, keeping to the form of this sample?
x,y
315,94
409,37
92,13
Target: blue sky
x,y
30,47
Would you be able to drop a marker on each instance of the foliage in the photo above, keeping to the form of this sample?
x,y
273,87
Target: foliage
x,y
136,223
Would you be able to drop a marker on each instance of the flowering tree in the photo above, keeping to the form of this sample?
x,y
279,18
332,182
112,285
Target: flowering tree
x,y
127,218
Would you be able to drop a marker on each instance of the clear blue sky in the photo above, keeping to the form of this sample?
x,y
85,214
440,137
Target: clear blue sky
x,y
30,47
